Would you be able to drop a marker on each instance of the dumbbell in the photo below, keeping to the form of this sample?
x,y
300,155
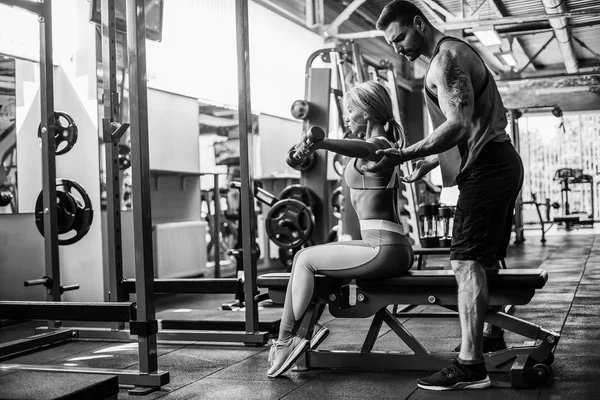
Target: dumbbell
x,y
293,159
445,215
427,215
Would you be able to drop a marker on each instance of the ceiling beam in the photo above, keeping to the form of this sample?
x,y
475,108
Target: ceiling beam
x,y
516,46
314,10
279,10
476,22
473,23
532,28
344,15
432,7
553,90
549,81
536,54
562,33
585,46
31,6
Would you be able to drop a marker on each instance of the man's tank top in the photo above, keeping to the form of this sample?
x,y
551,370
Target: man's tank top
x,y
387,179
487,124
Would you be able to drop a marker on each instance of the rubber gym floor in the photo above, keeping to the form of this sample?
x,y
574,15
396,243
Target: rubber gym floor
x,y
568,304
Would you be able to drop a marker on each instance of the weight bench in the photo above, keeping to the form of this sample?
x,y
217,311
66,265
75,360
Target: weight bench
x,y
524,364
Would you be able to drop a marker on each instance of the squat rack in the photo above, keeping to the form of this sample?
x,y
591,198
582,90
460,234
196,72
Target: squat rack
x,y
248,331
140,315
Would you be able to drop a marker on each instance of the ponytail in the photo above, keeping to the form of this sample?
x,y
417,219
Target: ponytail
x,y
395,132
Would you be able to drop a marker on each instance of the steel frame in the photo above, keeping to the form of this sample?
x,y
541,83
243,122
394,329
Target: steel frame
x,y
148,376
146,286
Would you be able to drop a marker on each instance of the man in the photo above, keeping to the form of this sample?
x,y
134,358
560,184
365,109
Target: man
x,y
471,146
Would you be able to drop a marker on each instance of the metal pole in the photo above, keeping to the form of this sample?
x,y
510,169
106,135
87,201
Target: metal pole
x,y
142,214
111,148
519,230
49,156
357,61
216,233
247,189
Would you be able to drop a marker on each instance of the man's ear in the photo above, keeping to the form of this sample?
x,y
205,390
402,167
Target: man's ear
x,y
419,23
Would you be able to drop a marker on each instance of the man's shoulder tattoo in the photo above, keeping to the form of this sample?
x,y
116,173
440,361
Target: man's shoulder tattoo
x,y
454,80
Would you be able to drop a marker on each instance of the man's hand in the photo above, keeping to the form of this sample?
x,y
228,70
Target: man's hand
x,y
390,158
422,168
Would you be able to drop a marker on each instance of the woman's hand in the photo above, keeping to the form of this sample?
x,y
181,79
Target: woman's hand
x,y
422,168
302,149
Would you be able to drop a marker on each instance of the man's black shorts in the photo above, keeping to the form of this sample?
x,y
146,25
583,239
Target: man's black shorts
x,y
484,211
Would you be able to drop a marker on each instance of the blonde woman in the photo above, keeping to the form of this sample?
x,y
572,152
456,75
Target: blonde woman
x,y
384,249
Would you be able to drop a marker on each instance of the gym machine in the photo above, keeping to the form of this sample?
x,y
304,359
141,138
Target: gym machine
x,y
74,214
568,177
543,219
304,218
348,66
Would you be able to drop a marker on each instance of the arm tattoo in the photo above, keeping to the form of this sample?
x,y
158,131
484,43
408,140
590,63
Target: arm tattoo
x,y
455,81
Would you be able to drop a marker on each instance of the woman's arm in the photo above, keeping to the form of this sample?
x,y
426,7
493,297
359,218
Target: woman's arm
x,y
354,148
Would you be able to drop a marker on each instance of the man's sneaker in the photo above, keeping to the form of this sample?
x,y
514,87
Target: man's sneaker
x,y
284,354
490,344
320,333
457,376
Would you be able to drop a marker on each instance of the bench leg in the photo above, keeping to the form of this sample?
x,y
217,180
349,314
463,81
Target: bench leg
x,y
374,329
403,333
382,316
517,371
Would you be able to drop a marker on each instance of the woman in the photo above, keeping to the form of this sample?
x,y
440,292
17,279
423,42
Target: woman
x,y
384,249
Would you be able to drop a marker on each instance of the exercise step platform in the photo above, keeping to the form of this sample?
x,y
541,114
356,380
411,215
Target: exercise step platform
x,y
38,385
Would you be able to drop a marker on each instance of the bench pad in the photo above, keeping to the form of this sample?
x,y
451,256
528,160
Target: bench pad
x,y
514,278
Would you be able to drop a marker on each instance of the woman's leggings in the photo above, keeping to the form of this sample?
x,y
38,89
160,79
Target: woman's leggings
x,y
383,251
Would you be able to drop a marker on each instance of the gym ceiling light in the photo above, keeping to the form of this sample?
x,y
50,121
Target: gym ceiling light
x,y
487,35
506,58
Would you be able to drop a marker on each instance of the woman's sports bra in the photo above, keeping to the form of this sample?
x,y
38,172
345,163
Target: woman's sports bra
x,y
388,179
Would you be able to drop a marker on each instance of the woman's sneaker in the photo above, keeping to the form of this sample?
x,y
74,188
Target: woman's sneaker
x,y
284,354
457,376
272,352
320,333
